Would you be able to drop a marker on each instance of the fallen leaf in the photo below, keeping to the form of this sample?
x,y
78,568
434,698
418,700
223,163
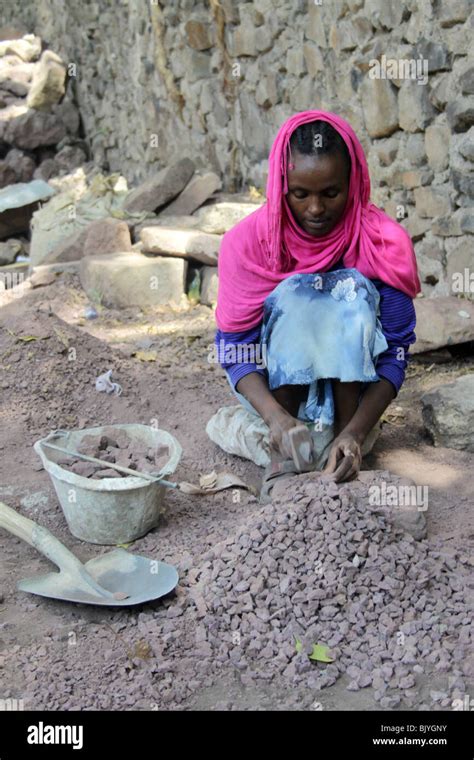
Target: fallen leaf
x,y
62,337
319,653
146,356
142,650
209,480
212,483
27,338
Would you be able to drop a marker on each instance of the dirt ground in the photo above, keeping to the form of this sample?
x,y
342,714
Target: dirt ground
x,y
50,358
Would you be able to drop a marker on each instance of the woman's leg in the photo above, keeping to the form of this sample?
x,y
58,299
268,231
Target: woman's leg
x,y
346,401
290,397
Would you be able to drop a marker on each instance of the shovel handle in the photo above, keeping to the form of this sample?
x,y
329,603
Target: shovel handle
x,y
38,537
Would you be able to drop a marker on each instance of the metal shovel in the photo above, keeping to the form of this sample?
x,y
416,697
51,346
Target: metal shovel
x,y
117,579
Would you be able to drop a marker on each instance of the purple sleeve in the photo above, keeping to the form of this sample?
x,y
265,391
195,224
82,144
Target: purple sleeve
x,y
398,320
239,353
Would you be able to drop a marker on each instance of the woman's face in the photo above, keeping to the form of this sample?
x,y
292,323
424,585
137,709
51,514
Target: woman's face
x,y
318,187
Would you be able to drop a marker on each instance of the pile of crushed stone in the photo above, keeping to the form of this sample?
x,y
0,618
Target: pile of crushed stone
x,y
115,447
320,565
326,567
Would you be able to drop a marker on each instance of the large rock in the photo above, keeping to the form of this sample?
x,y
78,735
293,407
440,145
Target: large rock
x,y
161,188
454,12
57,227
460,113
9,251
435,53
437,139
69,248
415,225
7,174
311,56
432,201
442,321
177,222
47,169
196,192
379,105
217,218
430,270
460,257
22,164
455,224
190,243
28,48
466,81
70,157
198,35
48,83
17,204
68,114
448,414
441,90
107,236
32,128
385,14
15,75
209,285
415,108
119,280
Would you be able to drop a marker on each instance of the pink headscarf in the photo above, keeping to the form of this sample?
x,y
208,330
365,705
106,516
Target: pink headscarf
x,y
268,246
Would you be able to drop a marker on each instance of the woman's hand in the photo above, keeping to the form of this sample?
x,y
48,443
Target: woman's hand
x,y
345,458
280,423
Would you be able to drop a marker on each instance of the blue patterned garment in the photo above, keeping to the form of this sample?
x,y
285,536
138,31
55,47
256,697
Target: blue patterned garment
x,y
321,326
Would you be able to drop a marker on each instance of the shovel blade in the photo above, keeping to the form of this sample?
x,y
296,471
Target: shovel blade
x,y
140,578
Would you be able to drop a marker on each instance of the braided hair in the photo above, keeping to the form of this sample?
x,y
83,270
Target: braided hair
x,y
319,138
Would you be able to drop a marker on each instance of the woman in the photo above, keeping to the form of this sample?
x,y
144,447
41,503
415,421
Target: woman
x,y
322,282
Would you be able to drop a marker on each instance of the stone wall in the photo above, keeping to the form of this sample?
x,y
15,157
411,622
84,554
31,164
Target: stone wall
x,y
157,80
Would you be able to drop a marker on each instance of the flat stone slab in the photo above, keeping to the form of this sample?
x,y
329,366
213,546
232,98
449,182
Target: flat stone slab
x,y
442,321
24,193
120,280
188,243
217,218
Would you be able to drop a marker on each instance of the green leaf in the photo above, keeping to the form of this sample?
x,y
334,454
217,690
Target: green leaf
x,y
319,653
